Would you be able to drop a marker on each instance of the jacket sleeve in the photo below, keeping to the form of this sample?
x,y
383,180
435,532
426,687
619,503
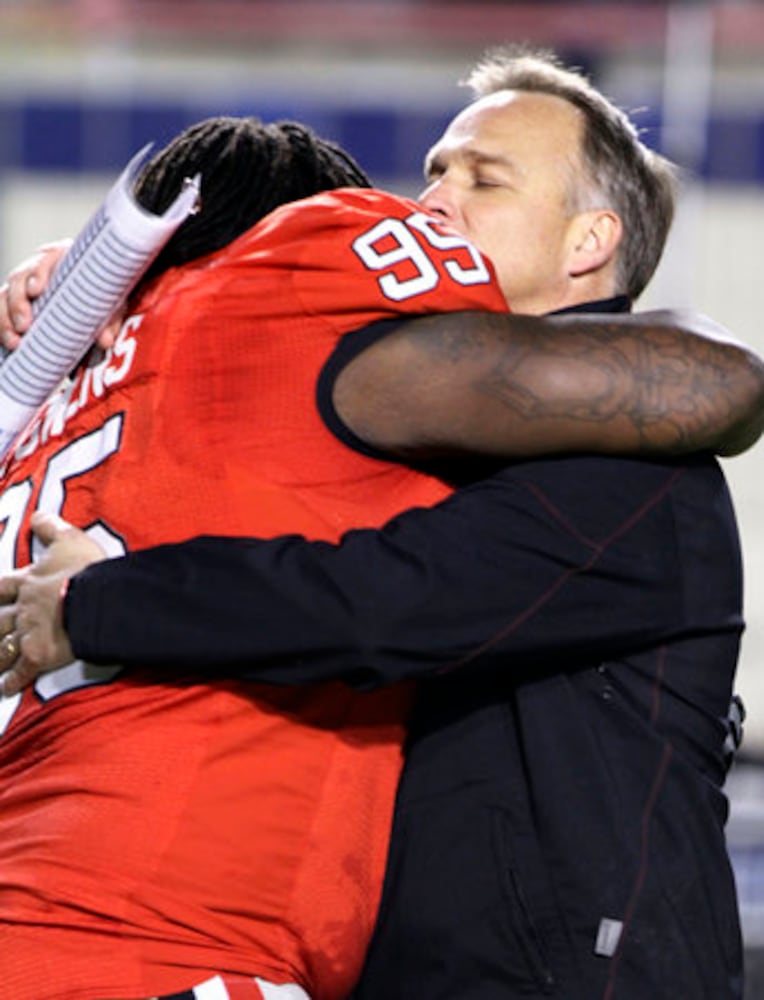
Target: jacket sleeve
x,y
578,557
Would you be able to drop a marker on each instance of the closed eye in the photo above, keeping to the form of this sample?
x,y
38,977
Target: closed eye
x,y
481,181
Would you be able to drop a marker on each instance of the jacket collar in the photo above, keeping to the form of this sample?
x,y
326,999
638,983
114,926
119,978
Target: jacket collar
x,y
618,304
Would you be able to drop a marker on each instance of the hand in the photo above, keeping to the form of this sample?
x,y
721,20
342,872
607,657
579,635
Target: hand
x,y
31,616
25,283
28,281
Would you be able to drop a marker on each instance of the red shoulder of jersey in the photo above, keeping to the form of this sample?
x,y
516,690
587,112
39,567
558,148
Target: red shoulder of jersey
x,y
358,255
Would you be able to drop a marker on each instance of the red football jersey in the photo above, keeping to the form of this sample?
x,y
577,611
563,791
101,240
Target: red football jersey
x,y
155,831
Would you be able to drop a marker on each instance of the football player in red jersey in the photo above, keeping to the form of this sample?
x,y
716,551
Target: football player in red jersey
x,y
429,253
124,801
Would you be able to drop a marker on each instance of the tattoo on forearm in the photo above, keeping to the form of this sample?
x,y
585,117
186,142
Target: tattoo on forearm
x,y
668,388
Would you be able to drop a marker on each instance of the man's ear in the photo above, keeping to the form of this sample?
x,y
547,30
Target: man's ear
x,y
595,237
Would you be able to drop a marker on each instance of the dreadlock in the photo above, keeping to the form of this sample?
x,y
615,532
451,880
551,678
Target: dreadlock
x,y
247,169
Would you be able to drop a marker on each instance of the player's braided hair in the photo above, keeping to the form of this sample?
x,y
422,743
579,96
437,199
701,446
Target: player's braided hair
x,y
247,169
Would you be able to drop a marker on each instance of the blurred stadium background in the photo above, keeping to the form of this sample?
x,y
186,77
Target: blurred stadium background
x,y
85,83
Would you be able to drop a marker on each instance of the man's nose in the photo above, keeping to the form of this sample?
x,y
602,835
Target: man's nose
x,y
439,199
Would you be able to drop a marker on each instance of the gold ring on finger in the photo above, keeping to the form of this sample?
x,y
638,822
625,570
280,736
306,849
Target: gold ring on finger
x,y
9,647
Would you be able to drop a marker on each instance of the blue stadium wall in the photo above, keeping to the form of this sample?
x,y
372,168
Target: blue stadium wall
x,y
81,135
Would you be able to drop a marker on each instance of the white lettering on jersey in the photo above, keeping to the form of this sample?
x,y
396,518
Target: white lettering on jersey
x,y
74,459
392,242
90,383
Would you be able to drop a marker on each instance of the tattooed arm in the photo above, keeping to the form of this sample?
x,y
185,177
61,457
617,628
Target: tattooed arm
x,y
511,386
